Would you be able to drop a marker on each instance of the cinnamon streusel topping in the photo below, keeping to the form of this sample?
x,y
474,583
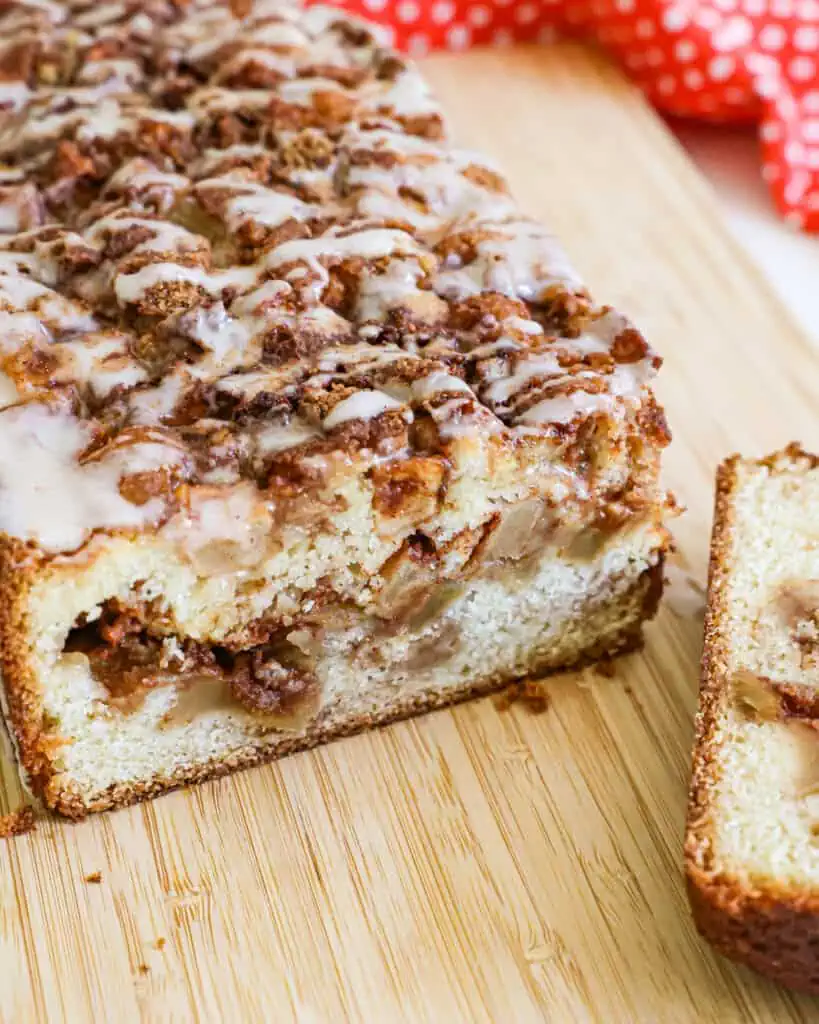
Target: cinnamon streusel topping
x,y
235,245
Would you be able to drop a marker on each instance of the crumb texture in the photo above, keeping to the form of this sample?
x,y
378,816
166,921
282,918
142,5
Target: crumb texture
x,y
768,803
558,616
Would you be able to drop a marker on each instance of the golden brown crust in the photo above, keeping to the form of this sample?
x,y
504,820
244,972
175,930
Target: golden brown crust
x,y
770,927
23,694
62,798
792,458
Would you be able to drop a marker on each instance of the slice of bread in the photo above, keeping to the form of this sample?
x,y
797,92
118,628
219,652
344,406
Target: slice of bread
x,y
752,843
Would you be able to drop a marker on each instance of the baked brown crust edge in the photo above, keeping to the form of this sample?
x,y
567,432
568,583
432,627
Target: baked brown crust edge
x,y
645,593
771,928
18,571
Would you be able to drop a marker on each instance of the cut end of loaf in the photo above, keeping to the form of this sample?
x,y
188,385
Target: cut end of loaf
x,y
547,615
752,845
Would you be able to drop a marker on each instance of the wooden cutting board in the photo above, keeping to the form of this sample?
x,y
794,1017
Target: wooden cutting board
x,y
476,864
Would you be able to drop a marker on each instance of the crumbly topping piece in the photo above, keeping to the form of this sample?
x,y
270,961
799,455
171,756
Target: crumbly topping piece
x,y
235,233
18,822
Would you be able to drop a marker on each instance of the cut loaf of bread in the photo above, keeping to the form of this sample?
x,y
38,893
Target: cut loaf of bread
x,y
304,426
752,844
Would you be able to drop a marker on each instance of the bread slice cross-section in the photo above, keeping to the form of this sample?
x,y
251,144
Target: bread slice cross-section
x,y
752,844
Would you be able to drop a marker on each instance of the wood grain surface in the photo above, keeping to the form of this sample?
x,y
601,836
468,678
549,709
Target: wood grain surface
x,y
476,864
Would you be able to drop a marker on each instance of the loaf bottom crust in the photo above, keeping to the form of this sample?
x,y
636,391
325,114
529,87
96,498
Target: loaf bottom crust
x,y
547,616
773,932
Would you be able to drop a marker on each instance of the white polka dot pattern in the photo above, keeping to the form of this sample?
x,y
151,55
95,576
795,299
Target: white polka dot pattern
x,y
718,60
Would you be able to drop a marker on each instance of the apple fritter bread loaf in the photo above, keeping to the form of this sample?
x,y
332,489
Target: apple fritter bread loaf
x,y
305,427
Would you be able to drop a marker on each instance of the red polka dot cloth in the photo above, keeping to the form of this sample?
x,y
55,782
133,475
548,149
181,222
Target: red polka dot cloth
x,y
720,60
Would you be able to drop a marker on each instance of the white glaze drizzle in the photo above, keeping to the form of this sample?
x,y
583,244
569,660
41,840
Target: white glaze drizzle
x,y
519,259
274,437
46,495
363,405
